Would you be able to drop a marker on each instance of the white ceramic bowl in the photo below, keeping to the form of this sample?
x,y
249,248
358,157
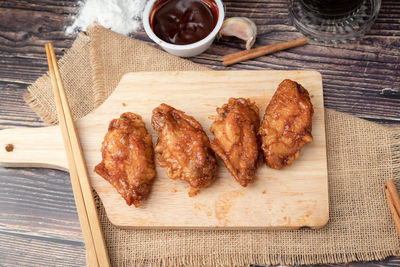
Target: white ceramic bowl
x,y
189,50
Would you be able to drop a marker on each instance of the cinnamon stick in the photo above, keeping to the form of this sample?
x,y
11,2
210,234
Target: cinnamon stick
x,y
261,51
394,194
391,202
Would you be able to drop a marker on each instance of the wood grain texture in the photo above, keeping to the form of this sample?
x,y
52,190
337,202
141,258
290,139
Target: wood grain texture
x,y
38,221
369,65
291,198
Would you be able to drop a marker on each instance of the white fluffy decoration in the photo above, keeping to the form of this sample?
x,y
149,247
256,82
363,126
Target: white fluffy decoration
x,y
122,16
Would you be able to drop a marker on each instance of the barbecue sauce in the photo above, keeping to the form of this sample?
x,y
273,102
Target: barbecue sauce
x,y
183,22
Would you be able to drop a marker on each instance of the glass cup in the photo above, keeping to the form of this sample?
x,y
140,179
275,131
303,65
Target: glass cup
x,y
333,21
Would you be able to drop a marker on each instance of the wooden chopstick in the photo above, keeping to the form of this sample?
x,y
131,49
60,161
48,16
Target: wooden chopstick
x,y
80,205
82,173
394,202
86,206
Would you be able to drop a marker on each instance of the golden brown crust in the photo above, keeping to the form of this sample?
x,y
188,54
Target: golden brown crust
x,y
184,148
287,124
127,163
236,143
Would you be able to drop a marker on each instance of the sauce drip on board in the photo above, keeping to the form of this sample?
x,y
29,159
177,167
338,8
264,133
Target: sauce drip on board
x,y
183,22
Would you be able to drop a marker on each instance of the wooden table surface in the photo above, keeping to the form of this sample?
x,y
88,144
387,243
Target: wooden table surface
x,y
38,221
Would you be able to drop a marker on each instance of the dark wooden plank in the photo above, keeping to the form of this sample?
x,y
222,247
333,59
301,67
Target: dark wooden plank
x,y
29,69
31,29
38,191
38,221
14,111
391,261
24,250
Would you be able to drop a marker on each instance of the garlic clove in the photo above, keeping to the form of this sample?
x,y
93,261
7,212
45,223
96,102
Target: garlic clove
x,y
240,27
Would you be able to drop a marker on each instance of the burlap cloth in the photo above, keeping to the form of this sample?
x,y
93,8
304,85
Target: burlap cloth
x,y
361,156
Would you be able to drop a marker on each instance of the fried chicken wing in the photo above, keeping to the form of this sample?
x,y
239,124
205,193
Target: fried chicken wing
x,y
236,143
184,148
128,163
286,126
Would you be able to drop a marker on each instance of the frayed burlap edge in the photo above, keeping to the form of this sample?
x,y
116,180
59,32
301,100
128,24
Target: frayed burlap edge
x,y
245,260
33,101
395,145
38,108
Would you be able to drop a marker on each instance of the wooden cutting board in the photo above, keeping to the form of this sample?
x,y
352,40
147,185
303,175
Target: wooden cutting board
x,y
291,198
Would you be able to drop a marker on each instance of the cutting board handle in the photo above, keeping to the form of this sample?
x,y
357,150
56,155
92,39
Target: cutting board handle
x,y
33,147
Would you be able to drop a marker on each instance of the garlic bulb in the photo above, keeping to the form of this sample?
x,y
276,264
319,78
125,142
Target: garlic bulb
x,y
240,27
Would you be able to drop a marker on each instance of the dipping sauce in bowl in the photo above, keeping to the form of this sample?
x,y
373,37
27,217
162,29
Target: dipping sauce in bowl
x,y
184,28
183,22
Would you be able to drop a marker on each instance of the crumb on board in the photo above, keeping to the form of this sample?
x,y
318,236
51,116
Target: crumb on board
x,y
123,104
264,192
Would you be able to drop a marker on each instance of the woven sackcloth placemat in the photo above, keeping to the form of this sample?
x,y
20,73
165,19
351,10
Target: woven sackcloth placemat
x,y
361,156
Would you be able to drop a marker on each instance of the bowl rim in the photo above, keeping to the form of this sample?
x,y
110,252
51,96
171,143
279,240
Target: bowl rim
x,y
205,40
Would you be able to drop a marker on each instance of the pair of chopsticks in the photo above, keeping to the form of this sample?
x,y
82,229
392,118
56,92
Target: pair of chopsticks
x,y
394,202
85,204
